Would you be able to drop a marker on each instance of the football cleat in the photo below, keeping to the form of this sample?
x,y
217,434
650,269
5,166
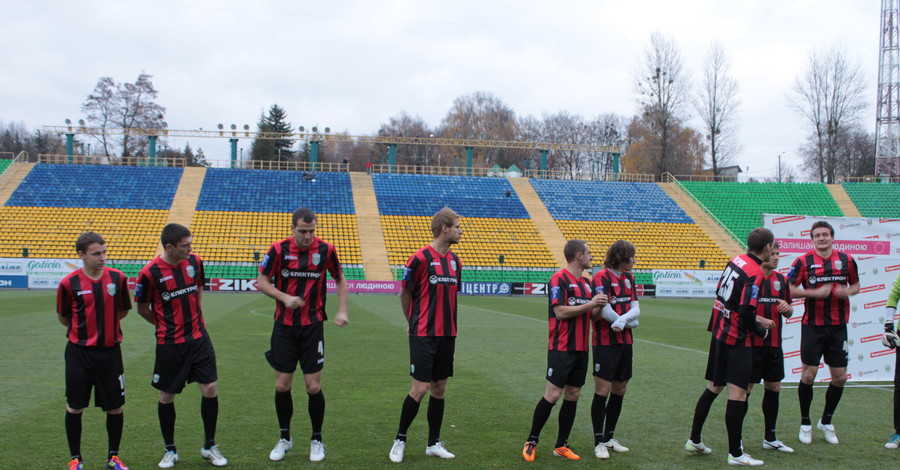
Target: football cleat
x,y
565,451
168,460
600,451
828,430
113,463
316,451
744,459
615,446
697,448
214,455
75,464
893,443
776,445
397,449
283,446
529,452
438,450
805,435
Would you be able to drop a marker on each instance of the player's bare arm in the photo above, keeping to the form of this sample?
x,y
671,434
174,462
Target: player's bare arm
x,y
818,293
264,284
65,321
145,312
564,312
765,322
785,309
841,291
340,318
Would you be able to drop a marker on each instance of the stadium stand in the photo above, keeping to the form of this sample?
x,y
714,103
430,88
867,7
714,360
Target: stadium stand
x,y
4,164
603,212
739,206
875,199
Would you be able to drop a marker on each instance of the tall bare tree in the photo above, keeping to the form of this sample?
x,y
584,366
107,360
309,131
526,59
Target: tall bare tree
x,y
124,105
717,105
664,88
406,125
830,95
482,115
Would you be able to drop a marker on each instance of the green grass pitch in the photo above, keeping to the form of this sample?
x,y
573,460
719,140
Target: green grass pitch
x,y
500,364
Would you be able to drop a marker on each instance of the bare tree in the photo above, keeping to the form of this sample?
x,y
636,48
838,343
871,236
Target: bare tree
x,y
124,105
405,125
482,115
663,87
717,106
830,95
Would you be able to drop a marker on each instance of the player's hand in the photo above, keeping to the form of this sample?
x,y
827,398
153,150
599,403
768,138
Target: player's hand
x,y
839,291
821,292
785,308
340,318
601,300
765,323
618,325
294,302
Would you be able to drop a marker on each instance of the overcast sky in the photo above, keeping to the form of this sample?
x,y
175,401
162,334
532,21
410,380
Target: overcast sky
x,y
351,65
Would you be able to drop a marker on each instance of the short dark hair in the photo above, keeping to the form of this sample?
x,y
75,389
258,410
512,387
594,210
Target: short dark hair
x,y
821,224
305,214
572,248
758,238
619,252
173,233
86,239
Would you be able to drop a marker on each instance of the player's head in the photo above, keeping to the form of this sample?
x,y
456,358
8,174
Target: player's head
x,y
176,240
91,248
772,263
759,242
445,223
303,226
578,251
822,234
620,256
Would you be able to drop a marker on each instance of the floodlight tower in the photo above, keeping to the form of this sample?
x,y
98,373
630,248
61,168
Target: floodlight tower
x,y
887,119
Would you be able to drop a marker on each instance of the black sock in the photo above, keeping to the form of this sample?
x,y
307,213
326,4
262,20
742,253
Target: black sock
x,y
701,411
770,413
746,405
734,423
832,398
284,409
114,426
407,415
805,394
435,419
598,416
566,421
316,409
167,424
73,434
613,410
541,415
896,404
209,412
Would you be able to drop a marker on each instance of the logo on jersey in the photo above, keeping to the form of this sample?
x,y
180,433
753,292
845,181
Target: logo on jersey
x,y
111,289
453,264
776,285
139,290
754,293
838,264
554,293
316,258
265,261
190,271
587,287
627,284
599,290
442,279
407,272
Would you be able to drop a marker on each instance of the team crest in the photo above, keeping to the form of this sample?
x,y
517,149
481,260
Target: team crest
x,y
316,258
190,271
776,285
838,264
627,284
453,264
111,289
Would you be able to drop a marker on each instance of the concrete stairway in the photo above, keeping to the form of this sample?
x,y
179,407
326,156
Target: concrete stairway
x,y
715,232
542,219
843,200
12,177
186,196
371,234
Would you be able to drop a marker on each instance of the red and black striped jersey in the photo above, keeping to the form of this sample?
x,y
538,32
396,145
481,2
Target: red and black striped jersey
x,y
571,334
94,308
433,280
773,288
621,292
300,272
174,296
738,286
812,271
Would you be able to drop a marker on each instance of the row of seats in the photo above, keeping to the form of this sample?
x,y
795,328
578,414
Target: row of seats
x,y
600,200
4,164
469,196
875,199
275,191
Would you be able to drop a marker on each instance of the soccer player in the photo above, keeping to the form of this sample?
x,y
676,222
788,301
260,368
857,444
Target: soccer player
x,y
730,361
168,295
90,303
768,357
432,278
572,302
297,265
889,312
613,353
828,278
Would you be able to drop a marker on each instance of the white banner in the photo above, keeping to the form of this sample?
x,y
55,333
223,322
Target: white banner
x,y
685,283
875,245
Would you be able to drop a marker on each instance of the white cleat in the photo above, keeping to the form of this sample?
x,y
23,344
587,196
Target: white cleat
x,y
600,451
214,455
893,443
805,435
828,430
697,448
283,446
615,446
168,460
744,459
438,450
397,449
776,445
316,451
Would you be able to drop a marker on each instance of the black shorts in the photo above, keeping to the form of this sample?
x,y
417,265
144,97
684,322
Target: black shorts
x,y
182,363
291,345
431,357
613,363
768,364
729,364
567,368
829,341
99,368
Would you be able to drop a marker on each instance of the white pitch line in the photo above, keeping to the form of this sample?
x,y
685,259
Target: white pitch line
x,y
671,346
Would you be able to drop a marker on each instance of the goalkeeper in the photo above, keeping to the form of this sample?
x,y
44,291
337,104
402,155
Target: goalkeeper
x,y
890,339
